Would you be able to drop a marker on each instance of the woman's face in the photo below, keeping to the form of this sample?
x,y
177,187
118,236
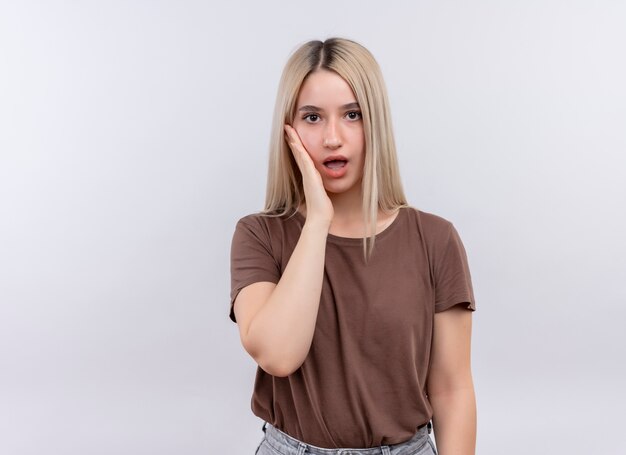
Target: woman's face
x,y
328,121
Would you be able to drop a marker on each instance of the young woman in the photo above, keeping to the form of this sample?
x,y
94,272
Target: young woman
x,y
356,306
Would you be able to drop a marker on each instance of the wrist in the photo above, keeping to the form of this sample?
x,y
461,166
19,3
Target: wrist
x,y
318,225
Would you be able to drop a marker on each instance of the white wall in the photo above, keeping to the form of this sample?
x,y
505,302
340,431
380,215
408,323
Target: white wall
x,y
134,134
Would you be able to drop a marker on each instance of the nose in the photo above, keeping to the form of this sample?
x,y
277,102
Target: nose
x,y
332,139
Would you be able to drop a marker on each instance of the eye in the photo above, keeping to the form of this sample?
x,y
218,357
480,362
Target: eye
x,y
354,115
311,118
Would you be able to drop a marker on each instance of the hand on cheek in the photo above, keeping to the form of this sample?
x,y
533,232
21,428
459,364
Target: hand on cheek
x,y
305,139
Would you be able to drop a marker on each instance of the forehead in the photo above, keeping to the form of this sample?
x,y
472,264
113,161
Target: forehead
x,y
324,87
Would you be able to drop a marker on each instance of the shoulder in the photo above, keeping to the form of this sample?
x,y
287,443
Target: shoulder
x,y
259,218
433,226
252,219
265,223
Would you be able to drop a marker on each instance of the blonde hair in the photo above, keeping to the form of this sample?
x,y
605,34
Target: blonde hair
x,y
381,185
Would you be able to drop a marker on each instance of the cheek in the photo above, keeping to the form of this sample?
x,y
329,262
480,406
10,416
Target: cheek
x,y
357,138
309,138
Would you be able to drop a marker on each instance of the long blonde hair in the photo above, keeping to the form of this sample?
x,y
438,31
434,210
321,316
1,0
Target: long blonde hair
x,y
381,185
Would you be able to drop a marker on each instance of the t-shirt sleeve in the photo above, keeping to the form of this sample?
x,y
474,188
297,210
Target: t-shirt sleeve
x,y
251,258
453,282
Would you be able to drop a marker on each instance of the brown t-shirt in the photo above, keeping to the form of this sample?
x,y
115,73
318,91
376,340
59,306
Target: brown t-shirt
x,y
362,383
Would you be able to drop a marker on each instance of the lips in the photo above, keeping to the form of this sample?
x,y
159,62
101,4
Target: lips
x,y
335,166
335,161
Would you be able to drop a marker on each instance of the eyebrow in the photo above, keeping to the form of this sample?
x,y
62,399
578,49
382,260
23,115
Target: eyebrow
x,y
310,108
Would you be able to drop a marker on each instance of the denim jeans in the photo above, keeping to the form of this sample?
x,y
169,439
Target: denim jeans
x,y
275,442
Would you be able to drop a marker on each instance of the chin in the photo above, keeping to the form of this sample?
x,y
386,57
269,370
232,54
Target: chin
x,y
338,189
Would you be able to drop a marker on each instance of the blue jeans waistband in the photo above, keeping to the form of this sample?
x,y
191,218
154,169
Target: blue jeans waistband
x,y
291,445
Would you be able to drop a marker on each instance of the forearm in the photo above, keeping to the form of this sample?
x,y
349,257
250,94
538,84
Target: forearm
x,y
282,330
454,420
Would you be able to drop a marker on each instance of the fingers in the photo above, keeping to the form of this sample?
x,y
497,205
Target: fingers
x,y
318,204
292,137
297,148
289,130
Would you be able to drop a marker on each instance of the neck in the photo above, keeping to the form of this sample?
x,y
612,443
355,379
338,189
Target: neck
x,y
347,206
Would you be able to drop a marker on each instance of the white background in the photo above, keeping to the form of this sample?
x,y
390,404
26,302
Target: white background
x,y
134,134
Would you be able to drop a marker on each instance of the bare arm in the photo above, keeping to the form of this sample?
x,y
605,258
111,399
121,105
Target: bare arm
x,y
277,322
450,386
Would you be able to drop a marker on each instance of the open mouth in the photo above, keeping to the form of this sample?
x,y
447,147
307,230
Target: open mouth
x,y
335,164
